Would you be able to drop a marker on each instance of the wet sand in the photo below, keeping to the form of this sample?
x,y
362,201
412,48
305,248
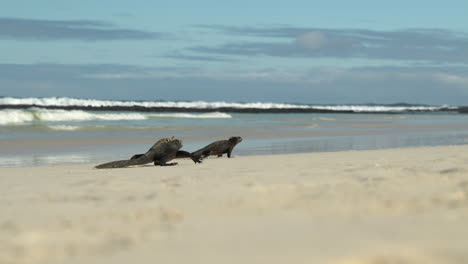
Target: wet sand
x,y
405,205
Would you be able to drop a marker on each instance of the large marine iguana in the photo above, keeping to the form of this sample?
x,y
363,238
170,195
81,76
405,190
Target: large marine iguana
x,y
218,148
160,153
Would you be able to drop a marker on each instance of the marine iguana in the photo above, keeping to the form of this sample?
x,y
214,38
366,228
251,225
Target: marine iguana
x,y
160,153
218,148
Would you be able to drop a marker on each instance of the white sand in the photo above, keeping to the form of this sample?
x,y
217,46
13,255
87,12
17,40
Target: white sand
x,y
394,206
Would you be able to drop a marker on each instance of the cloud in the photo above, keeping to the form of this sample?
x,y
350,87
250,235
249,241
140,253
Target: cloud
x,y
430,85
423,45
456,75
452,79
182,56
85,30
311,40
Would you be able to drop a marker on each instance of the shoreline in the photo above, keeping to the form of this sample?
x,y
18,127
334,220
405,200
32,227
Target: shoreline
x,y
84,161
393,205
43,152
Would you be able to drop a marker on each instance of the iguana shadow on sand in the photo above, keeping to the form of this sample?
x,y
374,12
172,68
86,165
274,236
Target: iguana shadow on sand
x,y
160,153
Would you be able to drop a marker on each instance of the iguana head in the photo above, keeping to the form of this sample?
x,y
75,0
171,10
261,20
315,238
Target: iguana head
x,y
235,140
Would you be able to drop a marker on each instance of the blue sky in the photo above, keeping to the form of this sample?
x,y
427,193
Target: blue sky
x,y
296,51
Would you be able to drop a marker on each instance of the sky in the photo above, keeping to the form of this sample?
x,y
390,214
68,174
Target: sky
x,y
316,52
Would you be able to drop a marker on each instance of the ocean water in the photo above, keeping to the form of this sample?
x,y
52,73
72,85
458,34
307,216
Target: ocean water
x,y
45,131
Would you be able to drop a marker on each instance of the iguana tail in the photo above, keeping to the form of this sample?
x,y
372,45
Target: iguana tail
x,y
199,154
184,154
124,163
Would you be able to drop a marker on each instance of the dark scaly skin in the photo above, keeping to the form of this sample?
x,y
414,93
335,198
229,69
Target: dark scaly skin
x,y
218,148
160,153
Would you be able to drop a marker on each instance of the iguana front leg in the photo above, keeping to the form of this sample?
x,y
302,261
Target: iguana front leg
x,y
229,152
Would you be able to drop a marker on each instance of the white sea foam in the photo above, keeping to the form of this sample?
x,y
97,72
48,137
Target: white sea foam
x,y
377,108
325,119
65,101
16,116
64,127
78,115
13,116
185,115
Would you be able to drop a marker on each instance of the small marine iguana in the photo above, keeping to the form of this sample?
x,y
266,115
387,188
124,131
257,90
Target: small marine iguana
x,y
160,153
218,148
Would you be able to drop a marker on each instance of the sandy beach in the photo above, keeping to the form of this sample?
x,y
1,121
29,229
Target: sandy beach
x,y
406,205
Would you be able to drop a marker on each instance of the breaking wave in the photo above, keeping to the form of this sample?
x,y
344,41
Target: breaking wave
x,y
18,116
202,106
13,116
22,116
66,102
